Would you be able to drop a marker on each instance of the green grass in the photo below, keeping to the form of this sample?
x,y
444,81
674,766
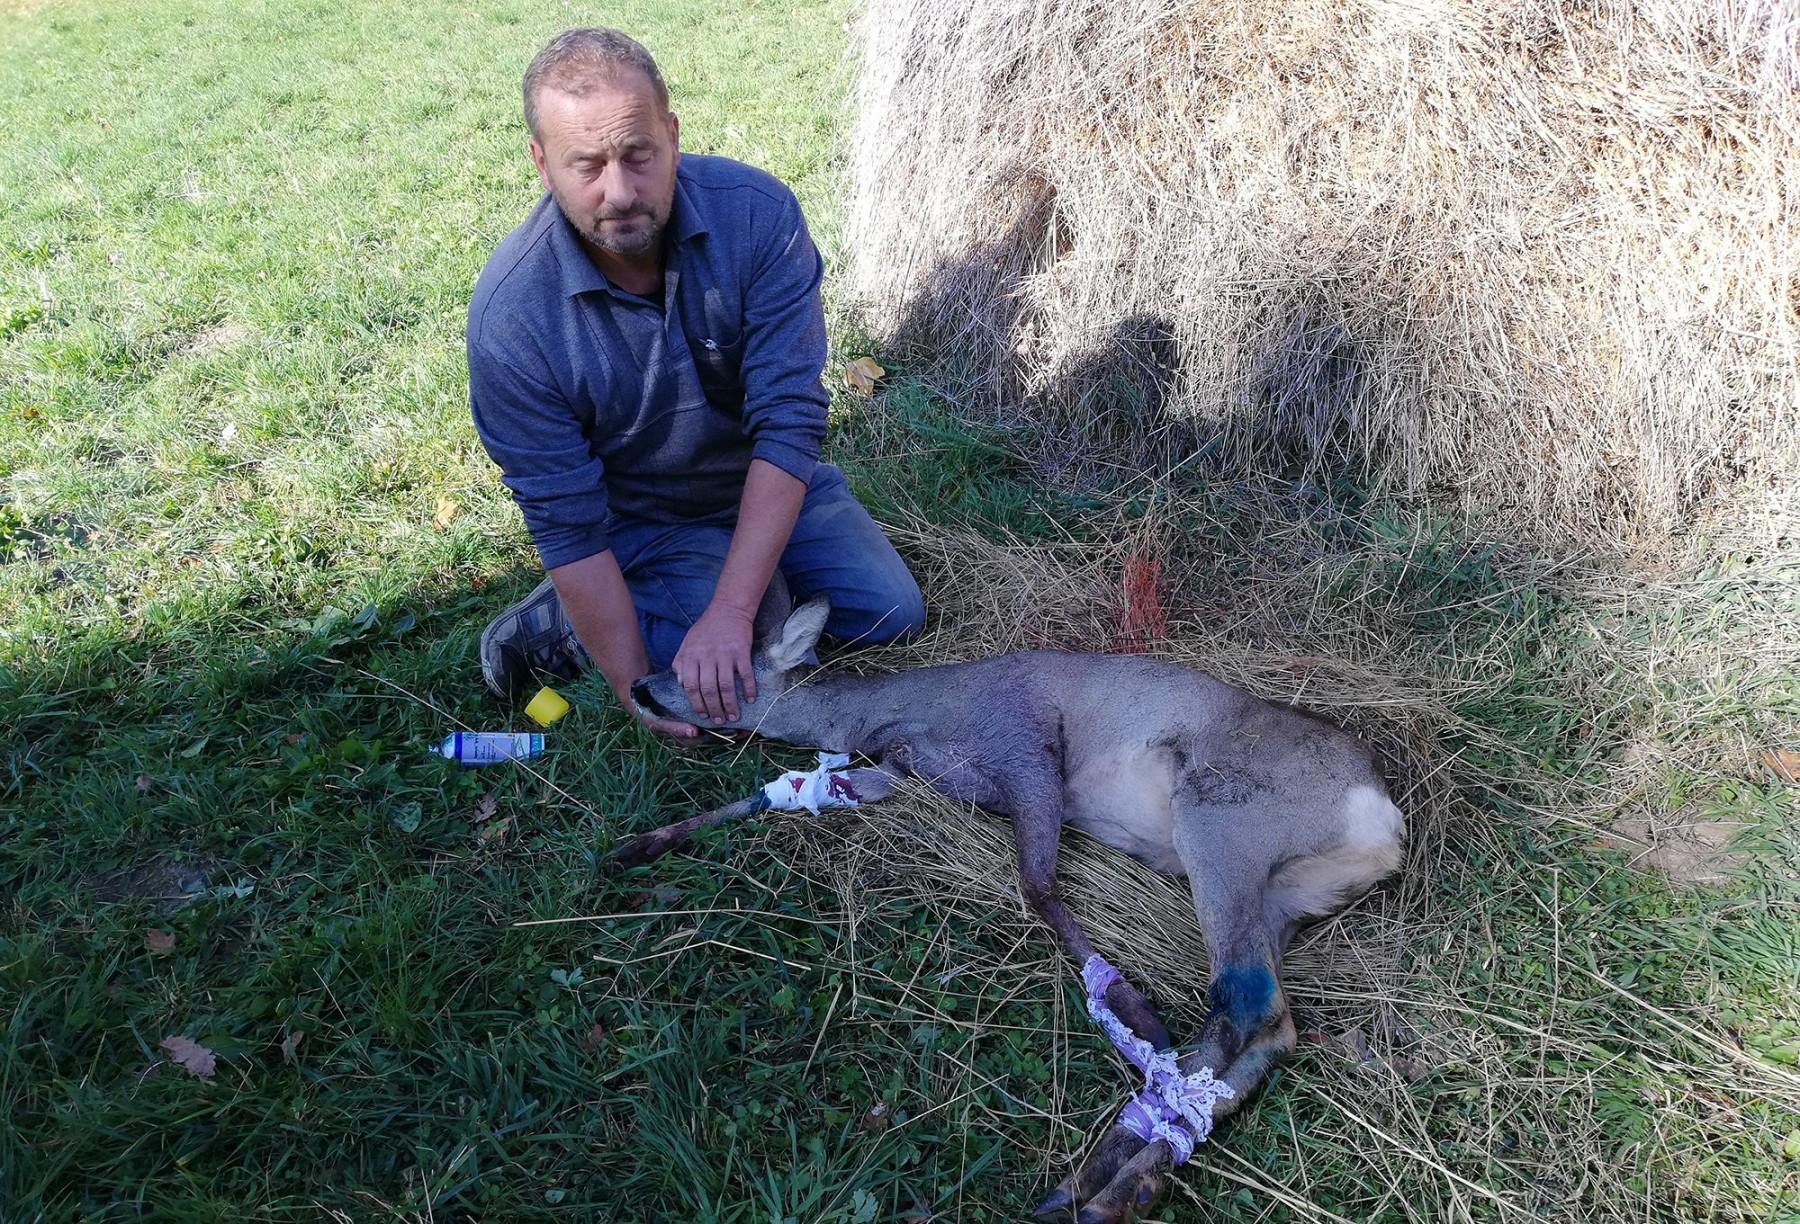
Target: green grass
x,y
233,272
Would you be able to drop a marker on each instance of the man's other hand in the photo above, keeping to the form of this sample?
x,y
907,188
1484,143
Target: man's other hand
x,y
714,657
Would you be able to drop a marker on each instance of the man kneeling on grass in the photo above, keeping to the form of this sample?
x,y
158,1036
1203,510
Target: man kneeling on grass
x,y
645,354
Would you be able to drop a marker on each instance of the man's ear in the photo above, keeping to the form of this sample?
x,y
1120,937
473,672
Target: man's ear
x,y
537,159
800,634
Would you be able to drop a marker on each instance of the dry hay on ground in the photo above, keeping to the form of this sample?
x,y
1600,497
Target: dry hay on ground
x,y
989,598
1546,255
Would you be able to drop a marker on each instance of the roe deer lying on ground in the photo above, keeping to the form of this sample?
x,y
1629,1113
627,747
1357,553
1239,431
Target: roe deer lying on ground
x,y
1274,817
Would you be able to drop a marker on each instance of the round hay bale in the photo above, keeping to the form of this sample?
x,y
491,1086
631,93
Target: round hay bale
x,y
1544,257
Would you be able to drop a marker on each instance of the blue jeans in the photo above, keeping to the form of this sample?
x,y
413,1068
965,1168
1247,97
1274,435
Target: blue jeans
x,y
836,550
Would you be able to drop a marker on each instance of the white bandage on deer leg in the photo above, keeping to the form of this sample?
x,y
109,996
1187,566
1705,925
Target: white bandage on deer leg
x,y
828,786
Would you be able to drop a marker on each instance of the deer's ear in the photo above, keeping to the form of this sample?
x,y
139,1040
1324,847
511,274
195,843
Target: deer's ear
x,y
799,634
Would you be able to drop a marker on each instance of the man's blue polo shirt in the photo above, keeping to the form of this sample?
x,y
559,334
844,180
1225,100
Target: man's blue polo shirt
x,y
596,402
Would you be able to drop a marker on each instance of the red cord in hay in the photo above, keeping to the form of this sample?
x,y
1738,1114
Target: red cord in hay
x,y
1140,617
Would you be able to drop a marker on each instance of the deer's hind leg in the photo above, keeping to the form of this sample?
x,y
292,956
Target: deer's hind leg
x,y
1228,856
1236,835
1258,870
1261,857
1230,834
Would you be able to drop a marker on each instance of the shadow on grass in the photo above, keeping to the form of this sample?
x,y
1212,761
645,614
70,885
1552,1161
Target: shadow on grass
x,y
243,839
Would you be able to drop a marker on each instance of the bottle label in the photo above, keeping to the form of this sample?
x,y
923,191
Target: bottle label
x,y
491,747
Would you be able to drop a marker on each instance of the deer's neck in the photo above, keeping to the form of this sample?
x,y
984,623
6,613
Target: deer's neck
x,y
840,713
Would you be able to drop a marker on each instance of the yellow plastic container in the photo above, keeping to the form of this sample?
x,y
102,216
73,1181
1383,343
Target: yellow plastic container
x,y
546,707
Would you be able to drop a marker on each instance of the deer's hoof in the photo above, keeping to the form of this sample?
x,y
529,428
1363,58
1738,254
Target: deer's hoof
x,y
631,854
1100,1215
1119,1146
1137,1189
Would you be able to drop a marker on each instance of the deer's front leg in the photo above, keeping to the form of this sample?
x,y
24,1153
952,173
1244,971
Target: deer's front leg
x,y
863,785
1027,786
1038,837
1036,805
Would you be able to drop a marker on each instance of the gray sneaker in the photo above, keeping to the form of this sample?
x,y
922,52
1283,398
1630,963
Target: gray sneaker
x,y
532,636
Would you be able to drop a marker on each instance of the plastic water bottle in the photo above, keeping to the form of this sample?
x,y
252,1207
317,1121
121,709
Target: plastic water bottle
x,y
489,747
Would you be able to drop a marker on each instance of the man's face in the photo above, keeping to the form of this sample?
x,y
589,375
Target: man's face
x,y
609,159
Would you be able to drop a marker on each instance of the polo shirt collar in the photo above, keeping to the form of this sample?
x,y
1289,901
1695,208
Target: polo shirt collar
x,y
685,221
579,275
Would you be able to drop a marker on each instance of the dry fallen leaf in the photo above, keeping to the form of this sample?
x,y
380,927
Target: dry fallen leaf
x,y
860,376
194,1057
1785,763
289,1044
596,1036
159,942
446,510
1355,1043
144,784
486,827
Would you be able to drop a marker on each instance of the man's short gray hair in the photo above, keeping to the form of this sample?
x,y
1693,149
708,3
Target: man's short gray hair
x,y
577,60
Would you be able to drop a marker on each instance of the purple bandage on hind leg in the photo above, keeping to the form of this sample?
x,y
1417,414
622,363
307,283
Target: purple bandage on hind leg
x,y
1149,1117
1173,1107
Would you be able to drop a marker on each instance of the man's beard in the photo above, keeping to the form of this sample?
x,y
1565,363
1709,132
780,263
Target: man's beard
x,y
636,239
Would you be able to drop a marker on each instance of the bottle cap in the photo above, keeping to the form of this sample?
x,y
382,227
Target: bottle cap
x,y
546,707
